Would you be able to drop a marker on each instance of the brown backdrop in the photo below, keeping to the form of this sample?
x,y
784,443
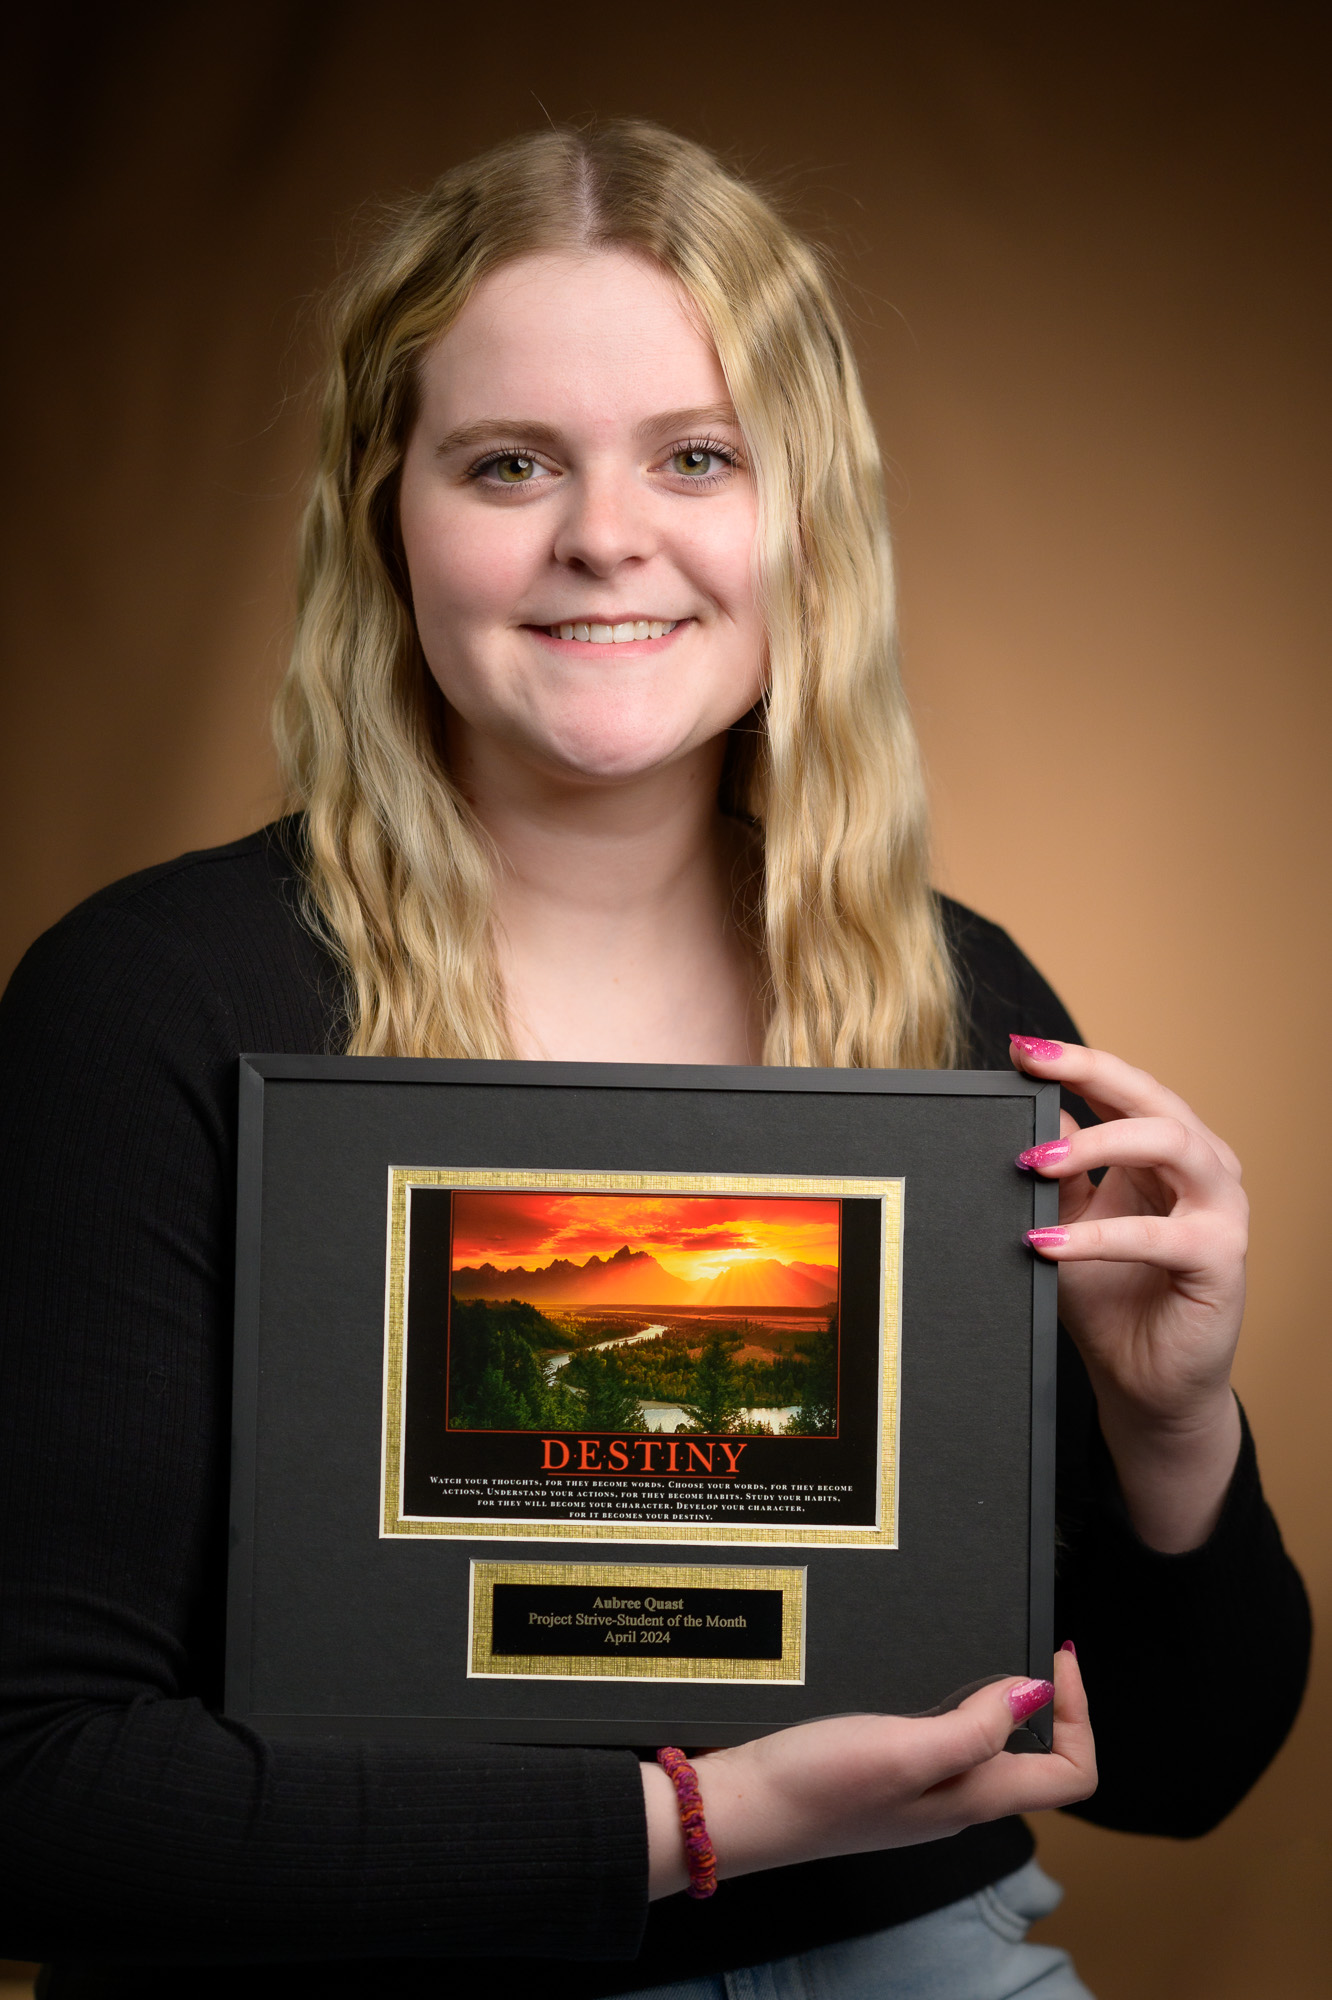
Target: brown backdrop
x,y
1086,253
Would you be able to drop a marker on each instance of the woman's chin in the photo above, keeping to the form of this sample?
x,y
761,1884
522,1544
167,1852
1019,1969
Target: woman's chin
x,y
619,758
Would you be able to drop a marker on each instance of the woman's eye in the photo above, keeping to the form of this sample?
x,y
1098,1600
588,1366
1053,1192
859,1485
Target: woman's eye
x,y
514,470
509,468
696,462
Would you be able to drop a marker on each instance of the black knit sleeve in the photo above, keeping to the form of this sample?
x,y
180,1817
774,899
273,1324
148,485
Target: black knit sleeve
x,y
1195,1664
1166,1643
134,1822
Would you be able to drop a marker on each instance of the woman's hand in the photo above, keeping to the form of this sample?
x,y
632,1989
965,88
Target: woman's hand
x,y
1151,1282
862,1782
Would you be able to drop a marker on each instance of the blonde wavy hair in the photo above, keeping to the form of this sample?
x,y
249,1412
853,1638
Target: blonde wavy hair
x,y
399,875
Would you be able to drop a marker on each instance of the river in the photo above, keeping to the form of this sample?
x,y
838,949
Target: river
x,y
621,1340
669,1416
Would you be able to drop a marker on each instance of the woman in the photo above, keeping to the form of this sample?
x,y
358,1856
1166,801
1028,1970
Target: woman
x,y
596,748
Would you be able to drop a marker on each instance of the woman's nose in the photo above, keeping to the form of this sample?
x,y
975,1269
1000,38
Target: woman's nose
x,y
606,520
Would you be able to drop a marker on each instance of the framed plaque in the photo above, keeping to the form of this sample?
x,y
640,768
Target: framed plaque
x,y
606,1404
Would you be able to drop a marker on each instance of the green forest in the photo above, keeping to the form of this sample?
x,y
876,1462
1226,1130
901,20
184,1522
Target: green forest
x,y
497,1376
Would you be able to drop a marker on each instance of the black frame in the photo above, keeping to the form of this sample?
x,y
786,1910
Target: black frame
x,y
292,1625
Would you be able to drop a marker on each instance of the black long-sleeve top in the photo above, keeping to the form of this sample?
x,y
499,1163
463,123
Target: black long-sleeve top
x,y
140,1831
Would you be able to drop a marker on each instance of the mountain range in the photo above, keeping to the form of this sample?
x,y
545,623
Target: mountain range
x,y
634,1277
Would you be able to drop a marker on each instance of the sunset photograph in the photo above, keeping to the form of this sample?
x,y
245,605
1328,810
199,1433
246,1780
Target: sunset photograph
x,y
697,1314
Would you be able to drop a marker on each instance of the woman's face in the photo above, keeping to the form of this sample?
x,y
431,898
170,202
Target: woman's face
x,y
578,521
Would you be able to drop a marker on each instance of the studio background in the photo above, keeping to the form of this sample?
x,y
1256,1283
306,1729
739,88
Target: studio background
x,y
1086,260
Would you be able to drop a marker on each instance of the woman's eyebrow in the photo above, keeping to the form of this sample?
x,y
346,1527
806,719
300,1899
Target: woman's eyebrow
x,y
486,430
706,418
489,430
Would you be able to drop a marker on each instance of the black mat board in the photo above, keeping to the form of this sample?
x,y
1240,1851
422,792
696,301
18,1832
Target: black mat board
x,y
336,1631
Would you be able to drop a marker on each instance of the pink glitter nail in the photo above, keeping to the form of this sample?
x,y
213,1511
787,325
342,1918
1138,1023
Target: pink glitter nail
x,y
1024,1699
1046,1239
1040,1051
1046,1155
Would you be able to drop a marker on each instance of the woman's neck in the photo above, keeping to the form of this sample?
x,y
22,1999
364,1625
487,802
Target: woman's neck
x,y
615,913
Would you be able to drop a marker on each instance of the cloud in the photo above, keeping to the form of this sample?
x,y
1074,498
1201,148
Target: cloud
x,y
690,1234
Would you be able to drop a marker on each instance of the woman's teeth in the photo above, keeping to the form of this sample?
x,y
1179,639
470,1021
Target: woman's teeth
x,y
615,635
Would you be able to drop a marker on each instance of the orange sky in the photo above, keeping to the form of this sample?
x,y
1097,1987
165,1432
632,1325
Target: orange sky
x,y
693,1236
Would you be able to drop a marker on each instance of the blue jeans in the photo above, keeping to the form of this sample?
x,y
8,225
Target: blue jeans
x,y
972,1950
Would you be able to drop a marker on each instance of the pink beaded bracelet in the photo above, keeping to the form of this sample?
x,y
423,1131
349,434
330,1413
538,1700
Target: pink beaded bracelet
x,y
698,1848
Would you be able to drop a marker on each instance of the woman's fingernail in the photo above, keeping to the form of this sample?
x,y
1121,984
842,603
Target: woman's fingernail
x,y
1032,1045
1046,1239
1069,1647
1024,1699
1046,1155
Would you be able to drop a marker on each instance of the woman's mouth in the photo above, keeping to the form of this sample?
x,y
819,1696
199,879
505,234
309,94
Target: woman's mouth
x,y
620,634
